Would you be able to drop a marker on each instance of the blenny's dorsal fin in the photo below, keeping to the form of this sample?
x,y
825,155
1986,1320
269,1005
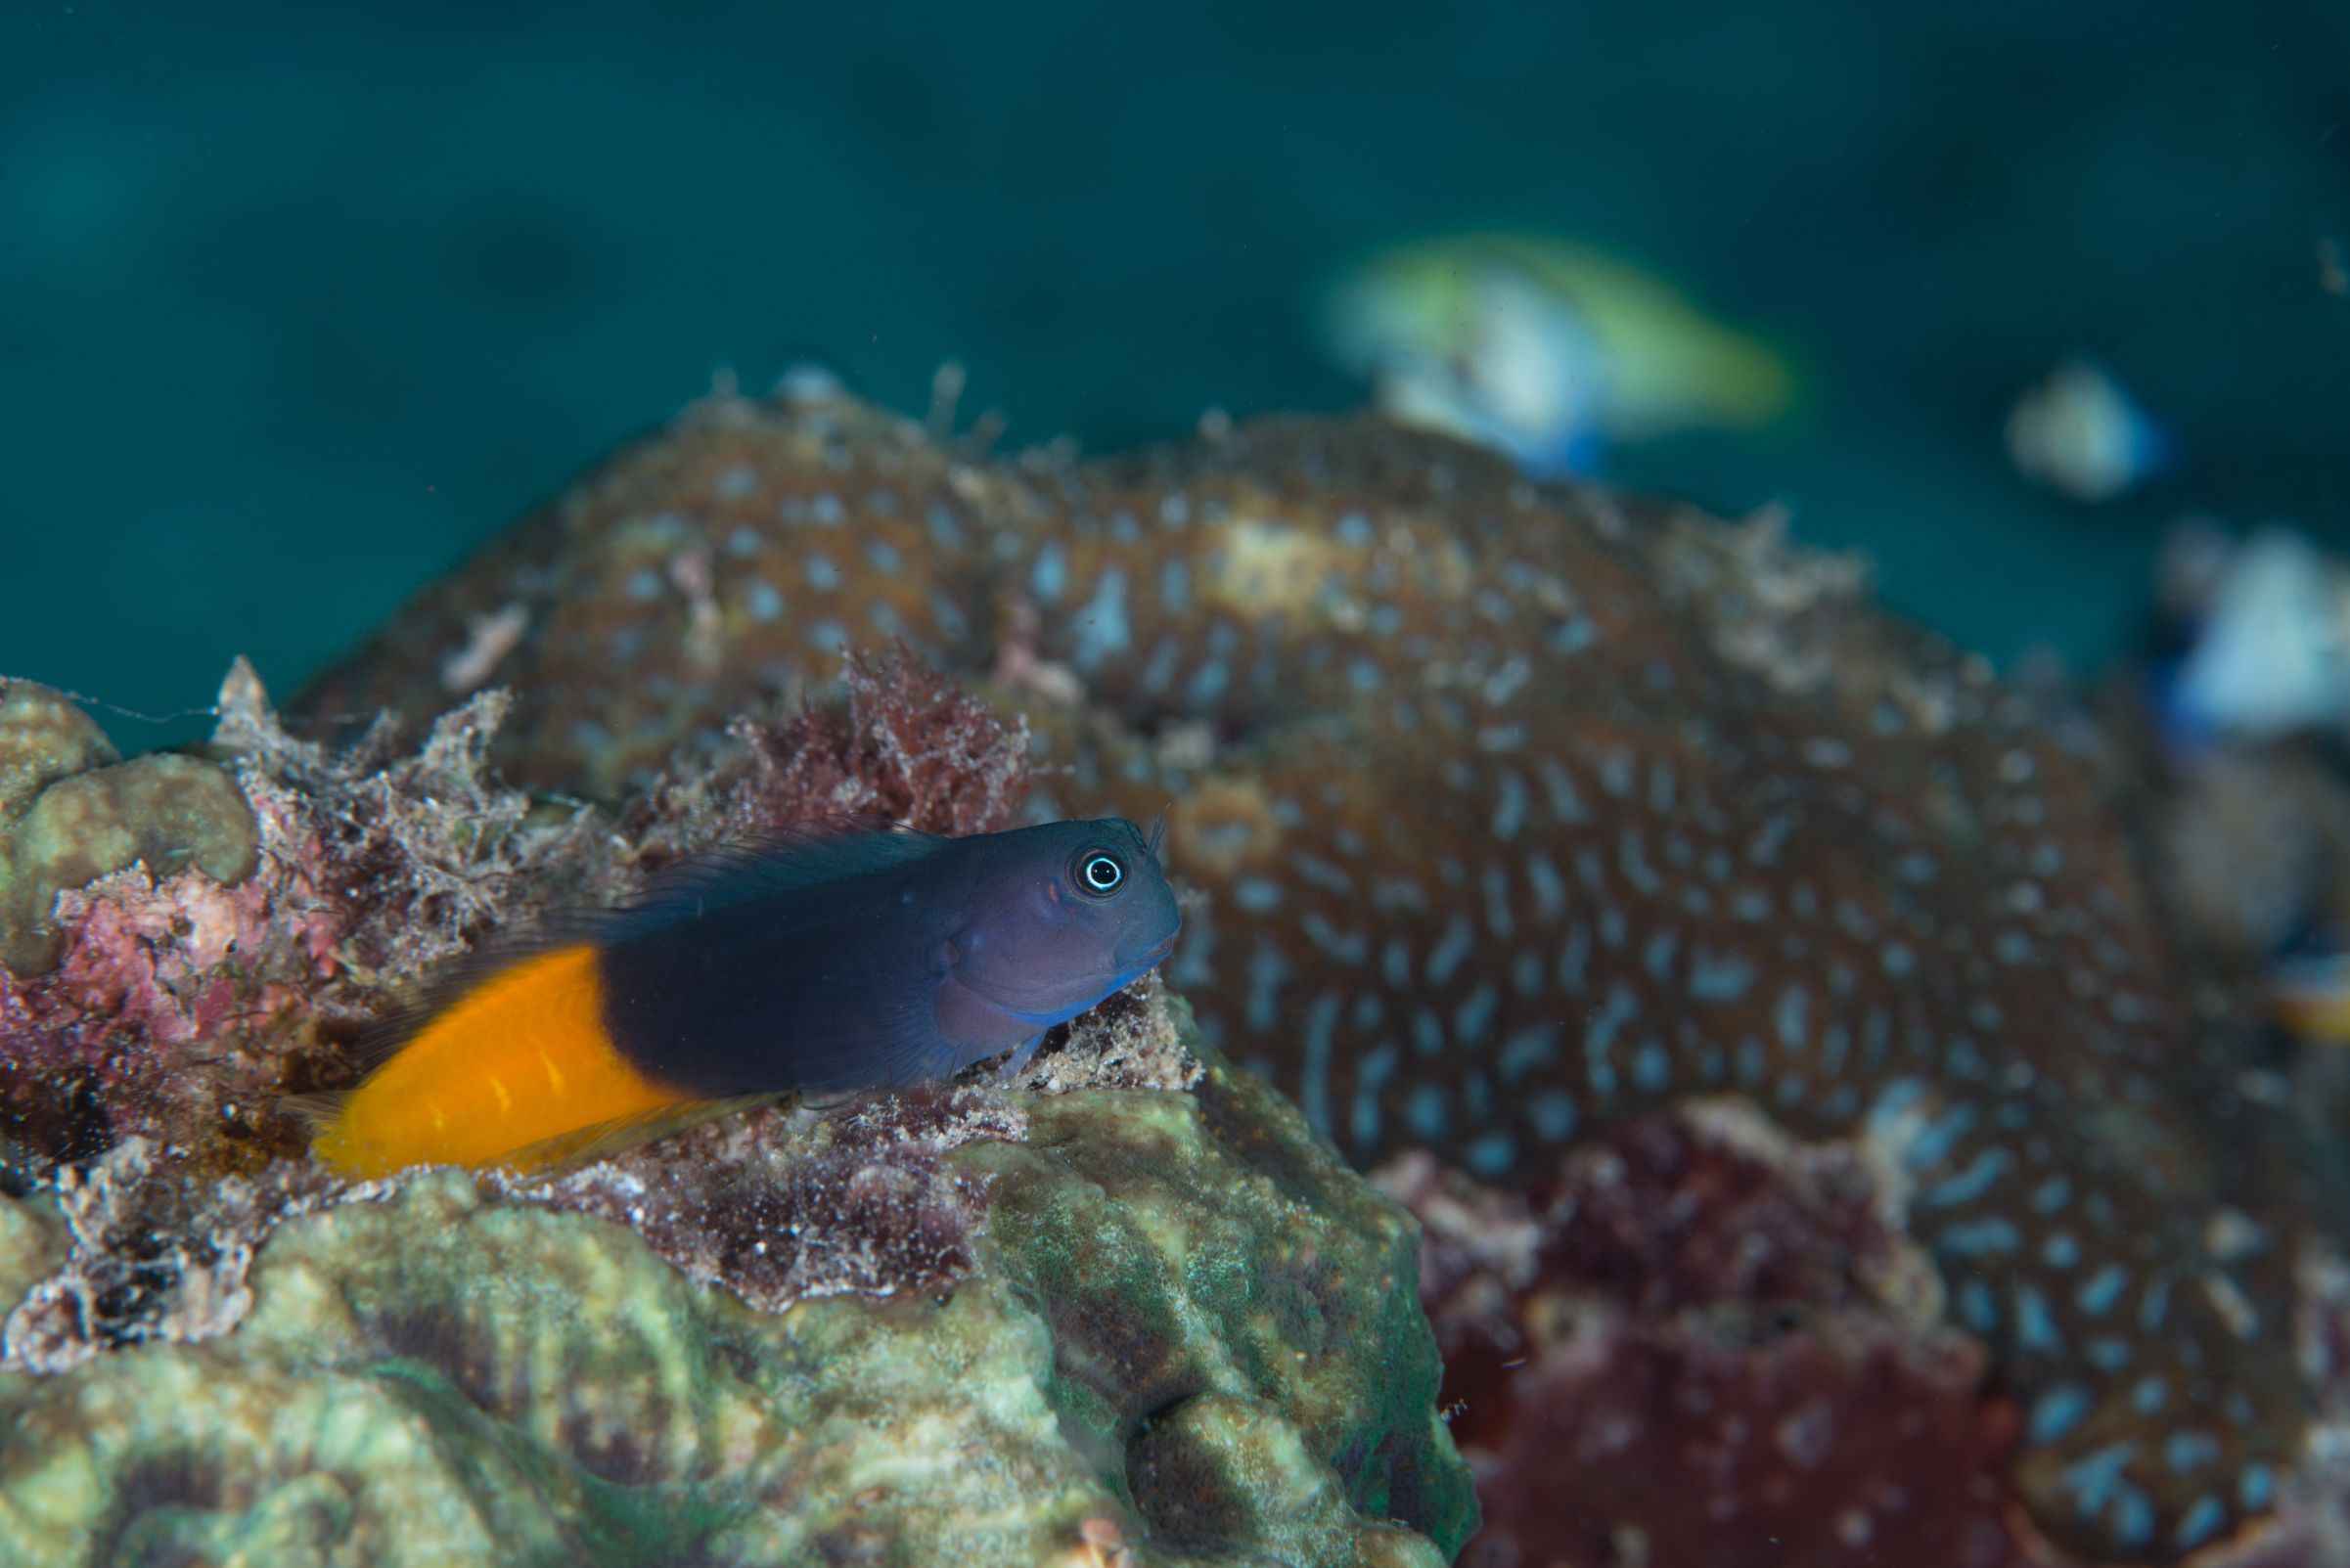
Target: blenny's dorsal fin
x,y
790,859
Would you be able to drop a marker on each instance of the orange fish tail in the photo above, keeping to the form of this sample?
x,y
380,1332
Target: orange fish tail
x,y
519,1062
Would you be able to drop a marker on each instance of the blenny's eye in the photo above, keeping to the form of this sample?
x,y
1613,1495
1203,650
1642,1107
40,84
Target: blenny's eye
x,y
1101,873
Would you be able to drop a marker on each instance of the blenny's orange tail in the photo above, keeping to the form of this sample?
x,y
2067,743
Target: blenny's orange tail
x,y
508,1073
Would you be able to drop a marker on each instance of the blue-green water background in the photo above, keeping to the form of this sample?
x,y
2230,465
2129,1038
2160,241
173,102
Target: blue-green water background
x,y
297,302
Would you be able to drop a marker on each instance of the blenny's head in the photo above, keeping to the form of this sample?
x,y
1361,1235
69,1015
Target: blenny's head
x,y
1062,914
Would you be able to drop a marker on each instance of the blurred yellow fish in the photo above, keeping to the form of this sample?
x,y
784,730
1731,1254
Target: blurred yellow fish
x,y
1543,350
2310,995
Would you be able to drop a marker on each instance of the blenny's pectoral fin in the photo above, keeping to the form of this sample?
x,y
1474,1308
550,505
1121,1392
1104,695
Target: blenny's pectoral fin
x,y
317,1112
1021,1057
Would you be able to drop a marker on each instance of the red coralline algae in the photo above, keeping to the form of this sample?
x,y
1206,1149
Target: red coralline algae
x,y
1842,1442
140,1021
912,746
1705,1344
900,742
180,1009
781,1205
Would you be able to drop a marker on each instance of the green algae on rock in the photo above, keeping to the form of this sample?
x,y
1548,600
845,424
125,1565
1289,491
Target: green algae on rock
x,y
1181,1325
32,1240
71,811
44,737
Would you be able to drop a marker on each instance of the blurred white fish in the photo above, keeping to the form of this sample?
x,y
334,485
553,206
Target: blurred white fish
x,y
2333,269
1542,349
2081,433
2269,648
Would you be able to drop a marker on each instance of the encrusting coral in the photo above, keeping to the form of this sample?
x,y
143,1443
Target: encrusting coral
x,y
1127,1305
71,811
1166,1318
1686,817
44,737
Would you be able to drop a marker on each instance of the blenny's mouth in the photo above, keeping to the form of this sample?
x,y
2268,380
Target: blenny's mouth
x,y
1157,956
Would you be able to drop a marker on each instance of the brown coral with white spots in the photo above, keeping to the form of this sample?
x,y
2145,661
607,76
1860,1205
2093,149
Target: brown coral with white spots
x,y
1512,812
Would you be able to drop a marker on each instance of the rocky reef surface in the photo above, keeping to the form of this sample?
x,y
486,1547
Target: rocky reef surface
x,y
1826,1140
1514,815
1166,1325
1128,1309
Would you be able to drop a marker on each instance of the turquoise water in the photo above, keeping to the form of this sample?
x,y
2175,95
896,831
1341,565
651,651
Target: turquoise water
x,y
295,308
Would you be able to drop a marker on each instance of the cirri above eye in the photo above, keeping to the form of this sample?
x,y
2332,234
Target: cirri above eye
x,y
1099,873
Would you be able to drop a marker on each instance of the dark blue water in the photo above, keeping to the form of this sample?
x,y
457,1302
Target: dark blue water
x,y
297,302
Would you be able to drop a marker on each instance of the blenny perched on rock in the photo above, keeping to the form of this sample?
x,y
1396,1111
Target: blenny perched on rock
x,y
825,959
1515,811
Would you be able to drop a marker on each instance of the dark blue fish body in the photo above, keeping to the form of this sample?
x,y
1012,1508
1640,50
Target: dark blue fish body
x,y
825,961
